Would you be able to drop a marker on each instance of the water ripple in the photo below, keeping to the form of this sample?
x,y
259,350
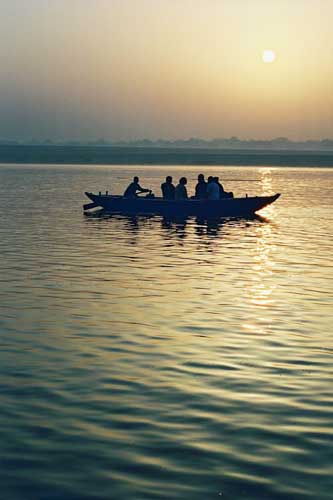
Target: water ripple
x,y
145,358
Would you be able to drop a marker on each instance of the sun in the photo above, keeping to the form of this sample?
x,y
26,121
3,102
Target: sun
x,y
268,56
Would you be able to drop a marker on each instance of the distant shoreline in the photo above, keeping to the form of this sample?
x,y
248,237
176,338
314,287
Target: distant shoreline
x,y
133,155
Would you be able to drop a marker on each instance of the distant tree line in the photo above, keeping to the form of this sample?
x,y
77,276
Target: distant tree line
x,y
193,142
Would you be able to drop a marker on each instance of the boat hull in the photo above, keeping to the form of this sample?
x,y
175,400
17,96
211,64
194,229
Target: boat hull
x,y
227,207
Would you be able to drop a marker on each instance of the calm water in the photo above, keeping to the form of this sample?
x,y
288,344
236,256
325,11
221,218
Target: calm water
x,y
114,155
153,359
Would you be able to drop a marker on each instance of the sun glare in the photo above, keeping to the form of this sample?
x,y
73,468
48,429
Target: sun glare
x,y
268,56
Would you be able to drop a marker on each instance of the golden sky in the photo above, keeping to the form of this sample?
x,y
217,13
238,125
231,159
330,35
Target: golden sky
x,y
126,69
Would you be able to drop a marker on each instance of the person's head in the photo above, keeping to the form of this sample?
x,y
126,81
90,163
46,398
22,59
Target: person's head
x,y
210,179
216,179
183,180
168,179
136,179
201,177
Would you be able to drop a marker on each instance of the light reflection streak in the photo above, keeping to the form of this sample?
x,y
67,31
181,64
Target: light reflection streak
x,y
260,293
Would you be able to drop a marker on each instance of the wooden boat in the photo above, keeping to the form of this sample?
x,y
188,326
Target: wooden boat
x,y
226,207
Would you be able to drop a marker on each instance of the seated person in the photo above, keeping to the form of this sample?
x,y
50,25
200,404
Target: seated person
x,y
181,191
201,188
213,190
221,188
133,188
168,189
223,194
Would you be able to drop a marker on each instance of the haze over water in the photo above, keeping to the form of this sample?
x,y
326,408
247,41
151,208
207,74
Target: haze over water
x,y
149,359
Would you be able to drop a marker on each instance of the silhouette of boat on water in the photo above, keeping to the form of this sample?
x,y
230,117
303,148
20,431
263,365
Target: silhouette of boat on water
x,y
225,207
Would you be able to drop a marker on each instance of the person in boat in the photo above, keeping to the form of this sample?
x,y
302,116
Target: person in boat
x,y
201,188
223,193
213,190
181,191
168,189
221,188
134,188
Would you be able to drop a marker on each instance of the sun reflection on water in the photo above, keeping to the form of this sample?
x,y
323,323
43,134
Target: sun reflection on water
x,y
266,181
259,294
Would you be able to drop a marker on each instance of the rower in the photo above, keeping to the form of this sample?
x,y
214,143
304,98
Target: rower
x,y
133,188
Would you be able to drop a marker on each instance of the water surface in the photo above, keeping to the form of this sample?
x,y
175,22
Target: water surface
x,y
144,358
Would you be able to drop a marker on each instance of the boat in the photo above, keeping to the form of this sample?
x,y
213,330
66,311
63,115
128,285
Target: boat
x,y
225,207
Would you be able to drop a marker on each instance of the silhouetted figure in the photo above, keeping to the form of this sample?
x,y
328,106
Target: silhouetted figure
x,y
223,193
213,191
201,188
132,190
221,188
181,191
168,189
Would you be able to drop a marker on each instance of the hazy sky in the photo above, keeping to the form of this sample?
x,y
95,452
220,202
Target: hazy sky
x,y
125,69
